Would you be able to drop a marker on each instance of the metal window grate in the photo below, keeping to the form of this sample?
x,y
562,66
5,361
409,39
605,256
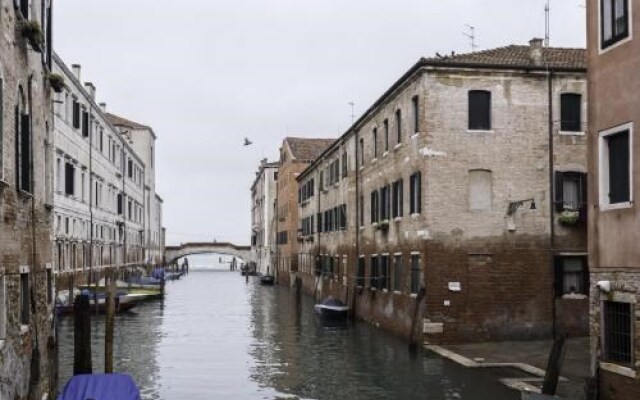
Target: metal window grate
x,y
618,331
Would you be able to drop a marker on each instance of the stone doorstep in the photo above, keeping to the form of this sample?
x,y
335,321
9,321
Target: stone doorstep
x,y
521,384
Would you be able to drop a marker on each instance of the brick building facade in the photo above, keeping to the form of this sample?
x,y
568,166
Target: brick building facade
x,y
26,279
614,59
439,211
295,156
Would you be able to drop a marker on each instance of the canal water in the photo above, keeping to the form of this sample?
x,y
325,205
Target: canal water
x,y
217,337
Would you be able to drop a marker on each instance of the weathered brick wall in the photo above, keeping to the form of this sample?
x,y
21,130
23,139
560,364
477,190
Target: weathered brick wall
x,y
25,231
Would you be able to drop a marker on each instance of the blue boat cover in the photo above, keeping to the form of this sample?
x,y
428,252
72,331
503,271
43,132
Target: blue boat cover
x,y
100,387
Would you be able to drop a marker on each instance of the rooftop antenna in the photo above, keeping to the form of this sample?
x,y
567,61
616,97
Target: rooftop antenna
x,y
471,34
547,23
353,112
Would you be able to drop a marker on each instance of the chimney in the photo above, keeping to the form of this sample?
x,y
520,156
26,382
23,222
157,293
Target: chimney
x,y
535,54
91,89
76,71
103,107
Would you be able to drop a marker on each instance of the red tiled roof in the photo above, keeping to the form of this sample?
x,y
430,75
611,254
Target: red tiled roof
x,y
120,121
307,148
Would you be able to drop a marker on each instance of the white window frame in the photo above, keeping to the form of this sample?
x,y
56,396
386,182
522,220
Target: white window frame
x,y
603,168
620,42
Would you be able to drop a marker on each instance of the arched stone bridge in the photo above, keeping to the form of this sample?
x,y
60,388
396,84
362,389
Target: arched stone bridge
x,y
173,253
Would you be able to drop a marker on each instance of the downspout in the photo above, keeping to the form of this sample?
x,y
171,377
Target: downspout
x,y
357,225
551,199
90,202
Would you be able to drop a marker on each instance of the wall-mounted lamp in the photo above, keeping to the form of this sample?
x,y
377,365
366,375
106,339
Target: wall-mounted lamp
x,y
514,205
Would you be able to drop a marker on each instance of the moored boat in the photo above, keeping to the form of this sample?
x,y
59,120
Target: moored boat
x,y
332,308
267,279
123,302
100,387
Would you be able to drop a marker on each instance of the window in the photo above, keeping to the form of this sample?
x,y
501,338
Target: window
x,y
618,331
76,114
24,8
361,211
360,272
1,149
283,237
3,308
479,110
397,273
385,282
69,179
85,123
570,191
24,296
415,106
480,193
374,281
571,112
130,168
571,275
397,199
319,222
415,206
23,145
386,135
399,126
615,166
345,167
361,146
321,180
120,204
614,21
416,273
375,142
385,203
343,216
374,206
49,284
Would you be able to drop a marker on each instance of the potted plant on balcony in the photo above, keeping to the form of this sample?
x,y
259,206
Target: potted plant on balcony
x,y
569,218
32,32
57,82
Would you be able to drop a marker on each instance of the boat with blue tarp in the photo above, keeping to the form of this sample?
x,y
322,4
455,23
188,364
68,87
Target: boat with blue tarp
x,y
101,387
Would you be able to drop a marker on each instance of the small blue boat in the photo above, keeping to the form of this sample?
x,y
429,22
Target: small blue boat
x,y
100,387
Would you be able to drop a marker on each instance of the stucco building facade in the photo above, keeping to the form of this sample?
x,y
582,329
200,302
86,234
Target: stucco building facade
x,y
455,206
263,211
614,59
26,276
98,206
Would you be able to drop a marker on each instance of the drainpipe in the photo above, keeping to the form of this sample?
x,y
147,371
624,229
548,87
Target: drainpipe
x,y
357,226
90,203
551,199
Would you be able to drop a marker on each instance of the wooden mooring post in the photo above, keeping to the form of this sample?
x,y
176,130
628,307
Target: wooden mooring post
x,y
82,335
554,366
110,287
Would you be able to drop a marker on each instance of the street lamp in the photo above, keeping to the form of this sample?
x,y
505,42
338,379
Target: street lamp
x,y
514,205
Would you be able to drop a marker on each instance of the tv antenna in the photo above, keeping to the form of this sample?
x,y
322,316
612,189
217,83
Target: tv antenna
x,y
547,23
353,112
471,34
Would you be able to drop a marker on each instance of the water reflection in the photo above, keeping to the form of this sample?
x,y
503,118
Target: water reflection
x,y
218,337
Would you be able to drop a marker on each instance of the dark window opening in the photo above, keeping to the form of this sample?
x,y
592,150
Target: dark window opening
x,y
397,273
375,142
619,179
23,151
85,123
571,112
360,272
24,299
69,179
397,199
416,273
76,114
345,168
415,206
399,126
373,280
479,110
416,114
374,207
384,272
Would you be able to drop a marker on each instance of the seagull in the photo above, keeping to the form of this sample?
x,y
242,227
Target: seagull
x,y
247,142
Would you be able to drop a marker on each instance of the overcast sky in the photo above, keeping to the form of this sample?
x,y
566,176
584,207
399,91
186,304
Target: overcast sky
x,y
206,73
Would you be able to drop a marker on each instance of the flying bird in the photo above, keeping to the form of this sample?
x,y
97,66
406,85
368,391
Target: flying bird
x,y
247,142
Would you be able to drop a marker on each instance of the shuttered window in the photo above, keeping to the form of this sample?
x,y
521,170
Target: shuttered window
x,y
23,152
397,273
398,199
386,135
360,272
619,176
479,110
570,191
374,207
24,299
85,123
399,126
571,112
375,142
614,21
416,114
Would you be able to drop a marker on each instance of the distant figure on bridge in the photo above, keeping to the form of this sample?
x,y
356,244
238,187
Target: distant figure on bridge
x,y
233,266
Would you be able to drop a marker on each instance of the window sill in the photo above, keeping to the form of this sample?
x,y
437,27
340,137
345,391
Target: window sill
x,y
362,228
620,42
480,131
413,295
24,194
361,168
375,160
386,153
397,219
616,206
397,292
571,133
24,329
3,183
618,369
397,146
415,215
415,135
